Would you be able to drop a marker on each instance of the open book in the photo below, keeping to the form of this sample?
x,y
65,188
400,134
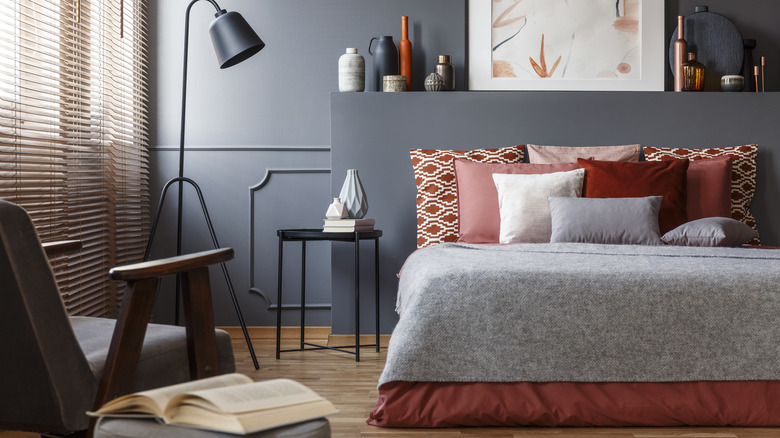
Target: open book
x,y
227,403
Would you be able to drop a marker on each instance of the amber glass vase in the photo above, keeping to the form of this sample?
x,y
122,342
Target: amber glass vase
x,y
693,74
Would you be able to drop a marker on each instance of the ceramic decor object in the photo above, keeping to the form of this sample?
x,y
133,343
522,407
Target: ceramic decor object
x,y
405,53
446,70
732,83
385,59
717,43
747,64
394,83
434,82
352,71
336,210
353,196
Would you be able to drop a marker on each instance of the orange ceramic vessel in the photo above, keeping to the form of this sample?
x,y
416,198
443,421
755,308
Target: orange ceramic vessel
x,y
405,53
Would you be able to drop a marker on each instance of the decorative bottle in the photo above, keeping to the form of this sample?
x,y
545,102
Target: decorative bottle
x,y
680,52
352,71
353,196
405,53
747,65
446,70
693,74
385,59
336,210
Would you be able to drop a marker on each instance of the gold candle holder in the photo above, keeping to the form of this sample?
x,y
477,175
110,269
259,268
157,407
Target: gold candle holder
x,y
756,74
763,63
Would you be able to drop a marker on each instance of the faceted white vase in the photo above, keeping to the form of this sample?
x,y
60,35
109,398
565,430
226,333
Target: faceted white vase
x,y
336,210
353,196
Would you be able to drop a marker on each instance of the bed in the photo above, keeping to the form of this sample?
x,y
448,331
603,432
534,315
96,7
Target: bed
x,y
574,334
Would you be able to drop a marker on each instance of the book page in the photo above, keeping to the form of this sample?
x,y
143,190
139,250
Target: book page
x,y
153,402
251,397
249,422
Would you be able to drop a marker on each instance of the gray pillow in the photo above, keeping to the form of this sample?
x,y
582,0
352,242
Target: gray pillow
x,y
620,221
711,231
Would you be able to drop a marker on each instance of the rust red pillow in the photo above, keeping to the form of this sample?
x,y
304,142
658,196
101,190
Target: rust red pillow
x,y
743,175
615,179
479,218
437,197
709,188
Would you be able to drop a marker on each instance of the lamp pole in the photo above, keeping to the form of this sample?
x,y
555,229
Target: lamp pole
x,y
234,41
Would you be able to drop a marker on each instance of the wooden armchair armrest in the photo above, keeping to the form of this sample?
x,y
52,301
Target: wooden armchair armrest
x,y
171,265
61,247
136,310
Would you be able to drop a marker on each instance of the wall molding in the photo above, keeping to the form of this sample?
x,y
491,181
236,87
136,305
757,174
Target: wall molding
x,y
243,149
252,190
312,333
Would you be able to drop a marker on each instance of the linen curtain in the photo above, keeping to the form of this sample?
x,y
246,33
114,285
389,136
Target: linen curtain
x,y
74,136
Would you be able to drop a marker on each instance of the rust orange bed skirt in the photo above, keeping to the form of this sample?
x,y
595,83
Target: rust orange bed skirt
x,y
433,404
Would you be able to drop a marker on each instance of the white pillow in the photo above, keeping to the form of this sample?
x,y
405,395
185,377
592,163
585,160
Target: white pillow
x,y
522,203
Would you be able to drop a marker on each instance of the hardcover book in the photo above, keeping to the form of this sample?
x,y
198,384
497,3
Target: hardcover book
x,y
228,403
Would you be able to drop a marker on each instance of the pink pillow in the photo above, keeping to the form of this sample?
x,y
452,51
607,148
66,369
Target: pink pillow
x,y
568,154
709,188
478,214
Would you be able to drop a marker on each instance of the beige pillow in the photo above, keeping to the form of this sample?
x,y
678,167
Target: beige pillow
x,y
568,154
523,207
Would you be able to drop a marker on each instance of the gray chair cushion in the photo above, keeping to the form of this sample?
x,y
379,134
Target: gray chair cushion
x,y
137,428
163,356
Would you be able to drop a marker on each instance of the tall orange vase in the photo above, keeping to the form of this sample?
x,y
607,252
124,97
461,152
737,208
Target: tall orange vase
x,y
405,53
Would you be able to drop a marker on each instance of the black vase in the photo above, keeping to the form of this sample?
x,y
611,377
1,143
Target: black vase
x,y
385,59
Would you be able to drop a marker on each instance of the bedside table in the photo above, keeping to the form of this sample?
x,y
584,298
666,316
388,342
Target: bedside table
x,y
309,235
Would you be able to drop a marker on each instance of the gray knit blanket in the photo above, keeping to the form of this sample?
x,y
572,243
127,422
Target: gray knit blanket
x,y
586,313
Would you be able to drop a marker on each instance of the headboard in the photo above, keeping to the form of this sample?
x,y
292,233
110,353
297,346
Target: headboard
x,y
373,132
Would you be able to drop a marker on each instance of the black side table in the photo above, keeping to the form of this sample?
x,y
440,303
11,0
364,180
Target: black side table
x,y
306,235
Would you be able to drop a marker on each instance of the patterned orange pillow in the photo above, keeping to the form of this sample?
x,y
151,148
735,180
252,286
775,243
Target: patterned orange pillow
x,y
437,196
743,174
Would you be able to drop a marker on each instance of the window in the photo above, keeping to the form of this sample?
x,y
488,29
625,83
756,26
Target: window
x,y
73,135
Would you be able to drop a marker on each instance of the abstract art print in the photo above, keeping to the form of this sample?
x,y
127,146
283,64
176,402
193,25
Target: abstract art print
x,y
566,45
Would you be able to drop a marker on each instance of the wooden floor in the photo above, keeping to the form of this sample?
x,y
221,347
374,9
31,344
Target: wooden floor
x,y
352,388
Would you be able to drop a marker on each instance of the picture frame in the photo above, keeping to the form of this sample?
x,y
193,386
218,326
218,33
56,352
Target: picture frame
x,y
507,53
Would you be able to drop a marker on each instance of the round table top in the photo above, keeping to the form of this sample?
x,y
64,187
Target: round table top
x,y
319,234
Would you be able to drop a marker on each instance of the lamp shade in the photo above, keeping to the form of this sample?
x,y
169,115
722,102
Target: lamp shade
x,y
233,38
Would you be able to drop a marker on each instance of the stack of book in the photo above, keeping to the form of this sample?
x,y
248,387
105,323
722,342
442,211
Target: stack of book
x,y
348,225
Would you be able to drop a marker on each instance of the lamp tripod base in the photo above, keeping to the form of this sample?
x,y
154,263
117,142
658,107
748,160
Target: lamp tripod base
x,y
181,180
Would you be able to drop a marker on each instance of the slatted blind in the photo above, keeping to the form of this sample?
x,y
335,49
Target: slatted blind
x,y
73,134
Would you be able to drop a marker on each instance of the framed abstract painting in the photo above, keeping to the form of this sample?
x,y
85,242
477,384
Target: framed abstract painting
x,y
602,45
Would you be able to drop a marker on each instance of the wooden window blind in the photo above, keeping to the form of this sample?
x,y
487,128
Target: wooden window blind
x,y
73,135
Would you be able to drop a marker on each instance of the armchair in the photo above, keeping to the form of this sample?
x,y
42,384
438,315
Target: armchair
x,y
54,368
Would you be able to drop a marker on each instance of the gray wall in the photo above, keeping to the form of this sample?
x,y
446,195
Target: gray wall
x,y
265,123
469,120
269,114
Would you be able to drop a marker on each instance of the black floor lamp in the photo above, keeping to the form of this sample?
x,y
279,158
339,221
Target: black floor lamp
x,y
234,41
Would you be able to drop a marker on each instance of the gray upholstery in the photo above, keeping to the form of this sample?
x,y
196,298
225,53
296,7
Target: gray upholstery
x,y
137,428
46,381
165,349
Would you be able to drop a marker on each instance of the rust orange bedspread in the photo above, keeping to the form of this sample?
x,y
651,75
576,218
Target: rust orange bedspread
x,y
435,404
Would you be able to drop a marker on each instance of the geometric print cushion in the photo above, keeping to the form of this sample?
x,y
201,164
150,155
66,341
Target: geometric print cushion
x,y
437,196
743,174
